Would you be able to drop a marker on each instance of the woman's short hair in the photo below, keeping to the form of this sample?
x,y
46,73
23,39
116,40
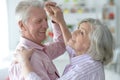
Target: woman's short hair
x,y
23,8
101,47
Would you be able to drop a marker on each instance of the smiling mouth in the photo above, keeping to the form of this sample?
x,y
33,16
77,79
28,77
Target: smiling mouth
x,y
42,32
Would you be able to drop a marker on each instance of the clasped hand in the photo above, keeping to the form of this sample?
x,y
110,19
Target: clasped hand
x,y
54,11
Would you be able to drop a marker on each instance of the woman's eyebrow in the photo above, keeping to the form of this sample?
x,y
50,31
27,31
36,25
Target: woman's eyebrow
x,y
84,29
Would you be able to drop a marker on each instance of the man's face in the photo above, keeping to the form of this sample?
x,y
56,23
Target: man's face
x,y
36,25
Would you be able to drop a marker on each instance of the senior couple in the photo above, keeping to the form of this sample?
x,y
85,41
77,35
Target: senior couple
x,y
90,46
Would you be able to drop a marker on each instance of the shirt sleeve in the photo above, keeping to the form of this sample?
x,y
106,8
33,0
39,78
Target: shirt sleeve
x,y
57,33
71,75
57,47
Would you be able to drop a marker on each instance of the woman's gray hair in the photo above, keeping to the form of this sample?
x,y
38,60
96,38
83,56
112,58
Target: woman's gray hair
x,y
102,44
23,8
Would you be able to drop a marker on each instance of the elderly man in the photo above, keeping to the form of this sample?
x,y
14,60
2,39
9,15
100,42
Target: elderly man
x,y
32,21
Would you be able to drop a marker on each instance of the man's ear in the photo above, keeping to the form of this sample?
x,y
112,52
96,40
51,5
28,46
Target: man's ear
x,y
21,26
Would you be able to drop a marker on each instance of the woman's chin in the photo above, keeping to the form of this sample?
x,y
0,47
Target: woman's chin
x,y
70,42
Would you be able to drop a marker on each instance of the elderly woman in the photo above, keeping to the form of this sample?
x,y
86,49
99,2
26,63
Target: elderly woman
x,y
90,48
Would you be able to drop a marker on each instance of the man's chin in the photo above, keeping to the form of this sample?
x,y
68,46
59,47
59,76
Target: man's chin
x,y
44,40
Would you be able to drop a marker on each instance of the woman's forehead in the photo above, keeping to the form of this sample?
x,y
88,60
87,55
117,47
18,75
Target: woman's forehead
x,y
84,25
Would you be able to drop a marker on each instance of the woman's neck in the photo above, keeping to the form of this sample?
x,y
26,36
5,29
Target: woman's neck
x,y
81,52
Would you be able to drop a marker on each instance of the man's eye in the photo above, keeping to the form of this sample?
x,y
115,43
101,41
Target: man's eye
x,y
81,33
46,19
40,21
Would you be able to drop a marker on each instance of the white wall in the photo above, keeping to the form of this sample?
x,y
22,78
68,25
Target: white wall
x,y
4,49
118,22
13,27
3,29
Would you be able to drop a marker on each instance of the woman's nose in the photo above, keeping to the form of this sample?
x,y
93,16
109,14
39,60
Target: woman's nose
x,y
76,31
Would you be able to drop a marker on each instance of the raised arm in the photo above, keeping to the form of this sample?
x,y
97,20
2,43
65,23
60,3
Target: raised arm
x,y
57,16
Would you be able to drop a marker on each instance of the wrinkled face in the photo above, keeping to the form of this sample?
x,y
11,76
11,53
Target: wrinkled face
x,y
35,29
80,38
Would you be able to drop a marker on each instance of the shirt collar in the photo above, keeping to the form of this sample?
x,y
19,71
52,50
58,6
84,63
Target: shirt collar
x,y
81,58
31,44
71,51
77,59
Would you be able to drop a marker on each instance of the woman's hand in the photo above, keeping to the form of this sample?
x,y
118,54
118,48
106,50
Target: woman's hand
x,y
23,54
47,7
55,12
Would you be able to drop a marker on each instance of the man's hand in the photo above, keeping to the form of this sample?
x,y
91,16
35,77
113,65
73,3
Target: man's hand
x,y
55,12
48,6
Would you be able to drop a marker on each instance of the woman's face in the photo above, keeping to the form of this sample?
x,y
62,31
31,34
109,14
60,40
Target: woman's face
x,y
80,38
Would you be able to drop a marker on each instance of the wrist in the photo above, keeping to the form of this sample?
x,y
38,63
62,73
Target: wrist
x,y
62,23
26,68
25,62
53,21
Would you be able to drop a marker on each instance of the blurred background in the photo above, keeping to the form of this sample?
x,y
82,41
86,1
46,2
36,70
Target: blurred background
x,y
108,11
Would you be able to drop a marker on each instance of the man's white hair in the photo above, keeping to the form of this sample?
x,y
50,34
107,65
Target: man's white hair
x,y
23,8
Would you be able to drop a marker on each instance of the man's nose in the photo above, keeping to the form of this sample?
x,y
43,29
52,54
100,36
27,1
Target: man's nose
x,y
45,24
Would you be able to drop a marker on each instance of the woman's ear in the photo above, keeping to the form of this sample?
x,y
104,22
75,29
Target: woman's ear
x,y
21,26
